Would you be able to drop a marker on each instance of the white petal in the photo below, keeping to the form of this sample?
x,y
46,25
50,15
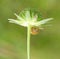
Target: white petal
x,y
35,18
14,21
28,17
20,18
43,21
22,23
25,24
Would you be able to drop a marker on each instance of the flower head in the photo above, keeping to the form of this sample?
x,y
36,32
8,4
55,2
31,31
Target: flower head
x,y
29,17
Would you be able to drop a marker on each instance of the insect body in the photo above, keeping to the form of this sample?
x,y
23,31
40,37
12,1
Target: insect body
x,y
35,30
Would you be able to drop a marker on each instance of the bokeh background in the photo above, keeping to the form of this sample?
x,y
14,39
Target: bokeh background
x,y
45,45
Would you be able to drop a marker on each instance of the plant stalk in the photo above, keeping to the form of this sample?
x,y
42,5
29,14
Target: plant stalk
x,y
28,42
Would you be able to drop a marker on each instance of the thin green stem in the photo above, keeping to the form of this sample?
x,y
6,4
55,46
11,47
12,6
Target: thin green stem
x,y
28,42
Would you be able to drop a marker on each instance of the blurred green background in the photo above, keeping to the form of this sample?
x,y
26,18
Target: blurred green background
x,y
45,45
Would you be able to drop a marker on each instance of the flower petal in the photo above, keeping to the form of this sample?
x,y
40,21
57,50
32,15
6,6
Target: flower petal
x,y
35,18
43,21
14,21
18,17
27,14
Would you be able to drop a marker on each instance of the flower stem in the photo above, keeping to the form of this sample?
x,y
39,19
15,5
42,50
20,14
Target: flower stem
x,y
28,42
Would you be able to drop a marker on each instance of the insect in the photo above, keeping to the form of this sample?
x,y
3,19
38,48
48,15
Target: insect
x,y
35,30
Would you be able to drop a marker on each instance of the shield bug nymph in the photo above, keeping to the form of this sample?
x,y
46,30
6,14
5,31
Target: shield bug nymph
x,y
35,30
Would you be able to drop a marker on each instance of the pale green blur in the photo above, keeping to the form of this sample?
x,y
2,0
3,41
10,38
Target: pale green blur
x,y
45,45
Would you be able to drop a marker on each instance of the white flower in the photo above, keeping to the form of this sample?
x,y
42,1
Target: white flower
x,y
27,18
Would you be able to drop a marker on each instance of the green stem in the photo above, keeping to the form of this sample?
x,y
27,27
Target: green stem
x,y
28,42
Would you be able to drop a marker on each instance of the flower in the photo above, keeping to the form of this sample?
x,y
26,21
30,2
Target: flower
x,y
28,17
